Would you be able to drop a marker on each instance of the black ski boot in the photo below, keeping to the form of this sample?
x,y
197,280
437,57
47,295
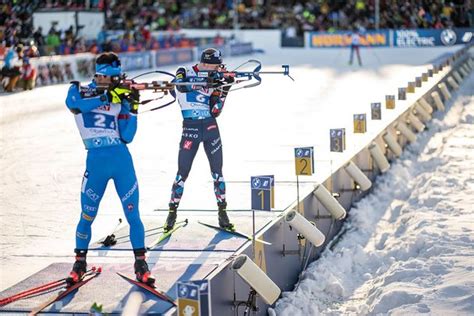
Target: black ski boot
x,y
171,219
224,221
79,268
142,272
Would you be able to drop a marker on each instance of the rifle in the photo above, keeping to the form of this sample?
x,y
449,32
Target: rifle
x,y
203,79
217,79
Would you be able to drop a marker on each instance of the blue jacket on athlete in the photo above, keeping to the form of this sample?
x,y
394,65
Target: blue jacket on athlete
x,y
106,123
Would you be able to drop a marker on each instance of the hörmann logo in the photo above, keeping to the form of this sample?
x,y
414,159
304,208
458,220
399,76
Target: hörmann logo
x,y
342,40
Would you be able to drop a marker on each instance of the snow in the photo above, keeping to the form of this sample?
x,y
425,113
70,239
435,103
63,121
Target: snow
x,y
43,159
408,246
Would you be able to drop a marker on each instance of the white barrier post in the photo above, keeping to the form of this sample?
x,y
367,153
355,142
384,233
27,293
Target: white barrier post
x,y
379,158
463,72
392,143
358,176
469,65
437,100
256,278
470,61
305,228
457,76
405,131
329,202
466,68
425,105
444,90
415,122
453,83
425,116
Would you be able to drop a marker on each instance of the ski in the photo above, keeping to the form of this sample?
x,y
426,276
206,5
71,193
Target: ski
x,y
235,233
68,290
122,239
36,290
151,289
166,235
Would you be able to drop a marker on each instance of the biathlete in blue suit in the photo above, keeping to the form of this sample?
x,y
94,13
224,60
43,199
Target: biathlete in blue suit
x,y
200,107
106,116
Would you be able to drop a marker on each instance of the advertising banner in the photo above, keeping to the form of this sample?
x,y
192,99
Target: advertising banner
x,y
432,37
378,38
393,38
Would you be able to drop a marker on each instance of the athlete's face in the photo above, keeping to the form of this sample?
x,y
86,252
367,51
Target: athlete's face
x,y
102,80
209,67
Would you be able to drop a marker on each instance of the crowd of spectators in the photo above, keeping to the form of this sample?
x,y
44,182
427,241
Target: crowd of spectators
x,y
129,23
138,18
319,15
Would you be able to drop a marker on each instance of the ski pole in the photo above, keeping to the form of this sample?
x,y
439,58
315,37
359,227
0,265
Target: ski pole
x,y
37,290
110,239
155,228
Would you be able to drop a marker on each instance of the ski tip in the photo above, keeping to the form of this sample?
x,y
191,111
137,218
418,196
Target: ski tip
x,y
99,269
186,220
93,268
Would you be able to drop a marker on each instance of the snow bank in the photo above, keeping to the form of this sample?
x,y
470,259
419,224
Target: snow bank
x,y
408,246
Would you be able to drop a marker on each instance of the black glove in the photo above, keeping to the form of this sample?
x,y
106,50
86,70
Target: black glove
x,y
121,93
229,79
133,96
215,79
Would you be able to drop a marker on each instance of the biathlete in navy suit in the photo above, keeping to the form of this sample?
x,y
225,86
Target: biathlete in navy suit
x,y
200,107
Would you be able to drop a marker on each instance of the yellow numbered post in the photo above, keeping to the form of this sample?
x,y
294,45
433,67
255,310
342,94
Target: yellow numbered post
x,y
360,123
188,299
304,161
390,102
260,256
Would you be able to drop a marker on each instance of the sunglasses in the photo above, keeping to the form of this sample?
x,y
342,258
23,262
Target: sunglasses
x,y
99,75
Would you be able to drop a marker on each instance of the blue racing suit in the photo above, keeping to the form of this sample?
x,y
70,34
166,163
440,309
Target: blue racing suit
x,y
105,127
199,108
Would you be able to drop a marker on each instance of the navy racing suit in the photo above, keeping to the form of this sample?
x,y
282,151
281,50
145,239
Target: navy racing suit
x,y
199,107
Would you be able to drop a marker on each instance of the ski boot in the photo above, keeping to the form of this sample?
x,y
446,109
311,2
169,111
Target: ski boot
x,y
142,272
171,219
79,268
224,221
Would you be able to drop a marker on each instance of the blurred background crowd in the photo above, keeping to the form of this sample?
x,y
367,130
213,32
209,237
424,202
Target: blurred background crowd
x,y
138,18
131,25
